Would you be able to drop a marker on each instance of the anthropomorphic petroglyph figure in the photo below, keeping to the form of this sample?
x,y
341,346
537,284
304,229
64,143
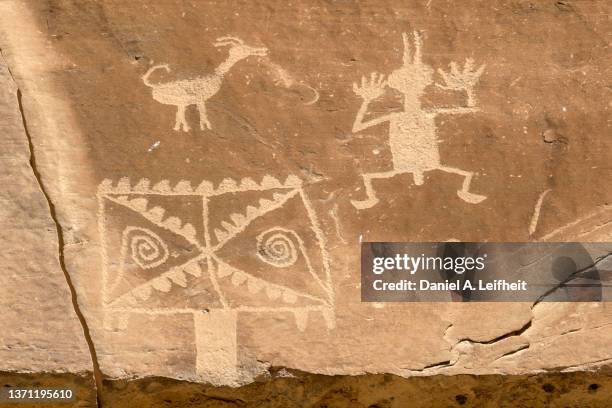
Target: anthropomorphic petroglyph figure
x,y
412,132
184,92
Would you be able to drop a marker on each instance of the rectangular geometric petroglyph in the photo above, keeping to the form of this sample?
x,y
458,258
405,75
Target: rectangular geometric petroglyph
x,y
178,249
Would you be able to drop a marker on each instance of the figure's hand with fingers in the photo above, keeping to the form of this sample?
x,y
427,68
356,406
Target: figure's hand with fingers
x,y
370,88
459,79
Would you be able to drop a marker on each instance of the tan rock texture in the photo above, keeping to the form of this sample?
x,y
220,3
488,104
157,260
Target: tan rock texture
x,y
290,389
213,167
40,330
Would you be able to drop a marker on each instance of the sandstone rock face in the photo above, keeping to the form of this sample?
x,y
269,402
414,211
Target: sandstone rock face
x,y
214,168
41,331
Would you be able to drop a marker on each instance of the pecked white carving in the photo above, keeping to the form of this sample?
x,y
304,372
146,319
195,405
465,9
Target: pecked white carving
x,y
412,132
185,92
278,247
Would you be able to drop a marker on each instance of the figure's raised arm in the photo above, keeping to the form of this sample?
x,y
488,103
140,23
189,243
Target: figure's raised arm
x,y
462,80
453,111
369,90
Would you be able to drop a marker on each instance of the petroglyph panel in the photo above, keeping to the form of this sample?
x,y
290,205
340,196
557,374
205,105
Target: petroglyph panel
x,y
214,168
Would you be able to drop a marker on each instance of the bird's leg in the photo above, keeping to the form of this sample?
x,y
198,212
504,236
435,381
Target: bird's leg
x,y
203,118
180,119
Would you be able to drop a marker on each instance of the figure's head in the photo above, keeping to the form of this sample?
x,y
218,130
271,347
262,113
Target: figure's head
x,y
239,49
413,76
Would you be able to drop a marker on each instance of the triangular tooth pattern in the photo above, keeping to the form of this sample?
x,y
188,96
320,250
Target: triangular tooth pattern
x,y
224,270
105,185
122,322
289,297
178,276
230,228
220,234
238,219
227,185
270,182
156,214
255,285
301,319
329,317
173,224
188,231
273,292
251,211
248,184
264,204
142,186
123,184
193,269
183,186
162,187
143,292
115,322
139,204
205,187
162,284
293,181
238,278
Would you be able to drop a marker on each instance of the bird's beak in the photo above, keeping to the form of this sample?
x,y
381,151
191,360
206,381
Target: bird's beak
x,y
260,51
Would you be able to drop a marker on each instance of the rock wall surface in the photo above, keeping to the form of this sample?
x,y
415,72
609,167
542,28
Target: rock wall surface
x,y
213,166
40,329
289,389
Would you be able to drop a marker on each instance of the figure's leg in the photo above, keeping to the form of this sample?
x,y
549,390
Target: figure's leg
x,y
180,119
464,194
371,199
418,178
203,118
177,120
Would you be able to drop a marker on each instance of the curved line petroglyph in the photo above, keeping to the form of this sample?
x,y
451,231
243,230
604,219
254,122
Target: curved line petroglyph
x,y
186,92
412,132
284,78
536,212
275,247
147,249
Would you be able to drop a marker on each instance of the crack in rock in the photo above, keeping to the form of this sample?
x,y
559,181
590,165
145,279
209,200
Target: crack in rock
x,y
60,240
504,336
513,352
569,278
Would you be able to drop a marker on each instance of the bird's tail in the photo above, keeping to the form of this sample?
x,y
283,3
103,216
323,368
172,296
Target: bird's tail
x,y
145,77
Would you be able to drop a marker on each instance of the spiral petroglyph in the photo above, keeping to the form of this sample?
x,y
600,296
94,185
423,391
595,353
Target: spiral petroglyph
x,y
147,248
276,247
